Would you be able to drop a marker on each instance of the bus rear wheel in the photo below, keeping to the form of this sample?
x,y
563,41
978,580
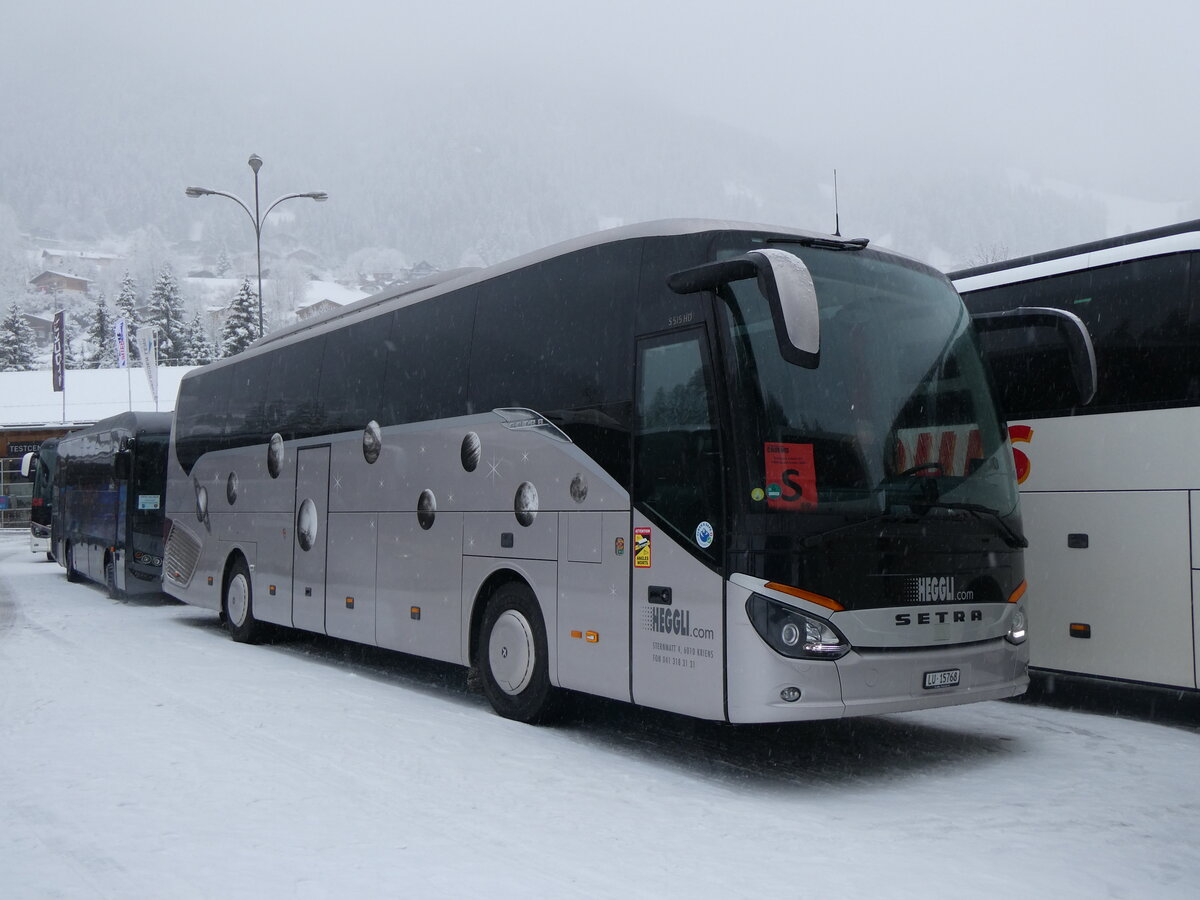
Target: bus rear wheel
x,y
110,579
512,657
69,563
237,603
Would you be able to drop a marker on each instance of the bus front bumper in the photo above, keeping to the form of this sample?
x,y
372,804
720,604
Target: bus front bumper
x,y
764,686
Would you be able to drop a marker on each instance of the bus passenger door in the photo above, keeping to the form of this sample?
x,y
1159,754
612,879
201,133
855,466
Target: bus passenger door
x,y
677,605
309,544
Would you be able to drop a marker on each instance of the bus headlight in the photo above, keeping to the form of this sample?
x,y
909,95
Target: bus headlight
x,y
792,633
1016,628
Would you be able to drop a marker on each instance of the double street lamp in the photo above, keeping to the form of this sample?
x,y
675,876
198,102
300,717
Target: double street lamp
x,y
256,219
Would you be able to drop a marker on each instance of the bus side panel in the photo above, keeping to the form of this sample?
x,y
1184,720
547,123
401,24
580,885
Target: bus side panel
x,y
593,603
678,646
419,578
350,598
272,531
1131,584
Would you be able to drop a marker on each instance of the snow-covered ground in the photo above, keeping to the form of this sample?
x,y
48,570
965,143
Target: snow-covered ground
x,y
145,755
91,394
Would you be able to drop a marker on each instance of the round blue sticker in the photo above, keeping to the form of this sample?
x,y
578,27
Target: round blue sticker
x,y
704,535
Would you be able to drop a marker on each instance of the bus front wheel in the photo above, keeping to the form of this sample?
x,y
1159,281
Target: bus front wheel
x,y
513,664
237,603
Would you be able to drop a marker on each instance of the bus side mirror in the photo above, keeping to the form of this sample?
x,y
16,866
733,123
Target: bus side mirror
x,y
1069,328
27,465
786,283
122,464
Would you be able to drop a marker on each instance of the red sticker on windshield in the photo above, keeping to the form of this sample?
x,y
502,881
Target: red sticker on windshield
x,y
791,476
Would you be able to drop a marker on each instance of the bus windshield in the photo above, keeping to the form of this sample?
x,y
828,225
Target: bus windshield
x,y
43,479
897,416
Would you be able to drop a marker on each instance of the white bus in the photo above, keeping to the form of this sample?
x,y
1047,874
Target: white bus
x,y
1111,490
683,464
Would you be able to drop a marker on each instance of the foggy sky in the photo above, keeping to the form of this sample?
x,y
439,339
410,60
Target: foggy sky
x,y
1095,94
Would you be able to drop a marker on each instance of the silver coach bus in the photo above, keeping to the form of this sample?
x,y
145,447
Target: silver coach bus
x,y
738,472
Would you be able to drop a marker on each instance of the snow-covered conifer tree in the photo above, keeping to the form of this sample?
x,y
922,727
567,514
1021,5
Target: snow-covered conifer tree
x,y
100,335
16,342
198,350
127,304
223,263
166,311
241,325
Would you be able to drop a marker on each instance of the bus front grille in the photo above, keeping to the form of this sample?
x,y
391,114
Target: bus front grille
x,y
183,552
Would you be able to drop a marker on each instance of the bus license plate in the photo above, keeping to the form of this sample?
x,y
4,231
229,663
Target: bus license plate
x,y
945,678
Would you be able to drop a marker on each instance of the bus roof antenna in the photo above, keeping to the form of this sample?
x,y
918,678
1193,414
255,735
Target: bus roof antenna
x,y
837,222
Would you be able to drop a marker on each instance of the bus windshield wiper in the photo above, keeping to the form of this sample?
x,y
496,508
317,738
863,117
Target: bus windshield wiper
x,y
832,242
1011,536
815,540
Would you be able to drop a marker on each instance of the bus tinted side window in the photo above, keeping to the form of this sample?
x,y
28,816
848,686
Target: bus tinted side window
x,y
557,338
1141,318
293,405
426,374
200,416
246,422
677,451
352,374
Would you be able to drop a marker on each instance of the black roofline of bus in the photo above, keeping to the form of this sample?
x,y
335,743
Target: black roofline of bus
x,y
453,279
1134,237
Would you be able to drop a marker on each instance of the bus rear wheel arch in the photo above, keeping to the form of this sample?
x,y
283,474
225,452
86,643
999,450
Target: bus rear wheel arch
x,y
512,658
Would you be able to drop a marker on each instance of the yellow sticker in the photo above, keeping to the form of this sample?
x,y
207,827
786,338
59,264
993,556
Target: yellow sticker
x,y
641,548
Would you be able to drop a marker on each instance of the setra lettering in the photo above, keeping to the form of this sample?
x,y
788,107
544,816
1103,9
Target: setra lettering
x,y
940,617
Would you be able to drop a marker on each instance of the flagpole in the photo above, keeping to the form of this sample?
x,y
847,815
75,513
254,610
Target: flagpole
x,y
63,326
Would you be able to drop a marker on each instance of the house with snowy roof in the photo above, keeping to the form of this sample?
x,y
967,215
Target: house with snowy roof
x,y
51,281
70,259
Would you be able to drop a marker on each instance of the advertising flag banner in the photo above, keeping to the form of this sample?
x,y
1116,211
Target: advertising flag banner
x,y
147,338
59,360
122,344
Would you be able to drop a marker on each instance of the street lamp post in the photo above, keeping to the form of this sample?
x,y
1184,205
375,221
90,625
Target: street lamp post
x,y
256,219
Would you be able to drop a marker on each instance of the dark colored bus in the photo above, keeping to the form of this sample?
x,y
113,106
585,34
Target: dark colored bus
x,y
107,521
39,465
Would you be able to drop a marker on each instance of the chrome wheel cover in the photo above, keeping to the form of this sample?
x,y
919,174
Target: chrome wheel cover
x,y
511,653
237,600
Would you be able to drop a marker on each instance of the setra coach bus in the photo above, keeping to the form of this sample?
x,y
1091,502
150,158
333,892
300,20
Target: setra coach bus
x,y
107,521
739,472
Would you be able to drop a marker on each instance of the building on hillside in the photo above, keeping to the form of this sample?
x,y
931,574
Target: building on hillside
x,y
315,309
72,259
51,281
305,257
43,329
322,297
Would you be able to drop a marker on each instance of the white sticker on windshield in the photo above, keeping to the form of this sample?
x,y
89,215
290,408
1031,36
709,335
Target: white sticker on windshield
x,y
148,501
704,535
